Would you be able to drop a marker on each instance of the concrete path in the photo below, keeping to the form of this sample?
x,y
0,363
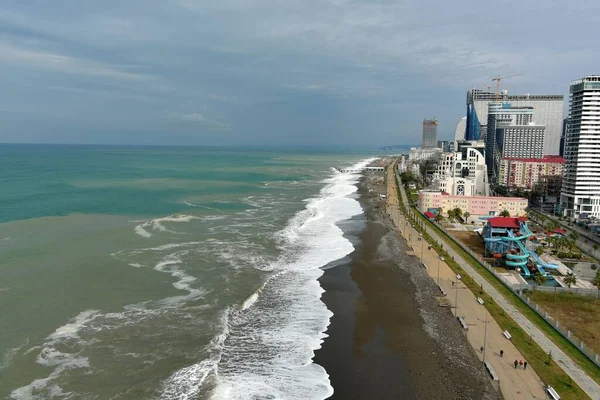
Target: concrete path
x,y
514,383
587,384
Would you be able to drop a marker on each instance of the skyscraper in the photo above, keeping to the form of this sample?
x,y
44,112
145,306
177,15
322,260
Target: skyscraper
x,y
580,194
547,110
430,133
511,132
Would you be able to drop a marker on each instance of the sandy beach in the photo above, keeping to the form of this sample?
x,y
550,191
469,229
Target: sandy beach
x,y
388,338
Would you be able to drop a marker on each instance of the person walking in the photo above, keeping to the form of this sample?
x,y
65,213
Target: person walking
x,y
516,364
501,353
521,363
525,365
481,349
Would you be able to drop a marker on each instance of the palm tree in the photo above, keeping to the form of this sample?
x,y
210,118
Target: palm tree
x,y
439,217
596,247
466,215
504,213
570,279
458,212
539,279
539,251
552,225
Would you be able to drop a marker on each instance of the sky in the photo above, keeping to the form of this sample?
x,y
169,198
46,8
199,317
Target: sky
x,y
275,72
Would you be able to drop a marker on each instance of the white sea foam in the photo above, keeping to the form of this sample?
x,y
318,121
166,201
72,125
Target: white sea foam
x,y
146,228
50,356
9,354
270,348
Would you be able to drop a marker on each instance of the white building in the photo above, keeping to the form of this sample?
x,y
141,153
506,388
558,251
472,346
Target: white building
x,y
463,173
419,154
547,111
581,185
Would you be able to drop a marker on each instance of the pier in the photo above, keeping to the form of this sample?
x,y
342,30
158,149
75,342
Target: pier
x,y
359,170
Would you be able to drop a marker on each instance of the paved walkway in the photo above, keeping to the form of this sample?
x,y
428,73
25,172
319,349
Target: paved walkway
x,y
587,384
514,383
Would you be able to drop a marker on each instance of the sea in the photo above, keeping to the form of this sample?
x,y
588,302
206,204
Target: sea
x,y
169,272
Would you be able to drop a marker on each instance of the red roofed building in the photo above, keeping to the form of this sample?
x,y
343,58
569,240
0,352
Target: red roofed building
x,y
504,222
526,172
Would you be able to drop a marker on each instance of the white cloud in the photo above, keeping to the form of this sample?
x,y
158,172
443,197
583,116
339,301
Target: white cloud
x,y
40,59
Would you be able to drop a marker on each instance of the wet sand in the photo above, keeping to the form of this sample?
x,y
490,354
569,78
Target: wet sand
x,y
388,338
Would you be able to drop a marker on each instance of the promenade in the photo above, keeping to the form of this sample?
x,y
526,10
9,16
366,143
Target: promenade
x,y
514,383
587,384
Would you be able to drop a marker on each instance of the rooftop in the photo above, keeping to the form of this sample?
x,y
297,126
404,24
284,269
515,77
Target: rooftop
x,y
504,222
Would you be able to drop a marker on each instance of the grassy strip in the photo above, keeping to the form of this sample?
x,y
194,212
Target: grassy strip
x,y
547,369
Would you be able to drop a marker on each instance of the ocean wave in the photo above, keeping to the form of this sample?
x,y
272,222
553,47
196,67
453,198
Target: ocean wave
x,y
277,329
146,228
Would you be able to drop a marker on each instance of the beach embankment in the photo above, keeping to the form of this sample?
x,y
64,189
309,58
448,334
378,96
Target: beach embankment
x,y
388,337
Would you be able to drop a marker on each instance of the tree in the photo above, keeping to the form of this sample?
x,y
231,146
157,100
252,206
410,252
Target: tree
x,y
574,236
439,217
458,212
596,282
451,215
539,251
596,247
552,225
539,279
570,279
466,215
504,213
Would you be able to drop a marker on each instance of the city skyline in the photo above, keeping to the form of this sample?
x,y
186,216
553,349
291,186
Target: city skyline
x,y
323,73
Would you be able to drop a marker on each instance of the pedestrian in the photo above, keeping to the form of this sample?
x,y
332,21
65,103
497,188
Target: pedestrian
x,y
521,363
525,365
481,349
516,364
501,353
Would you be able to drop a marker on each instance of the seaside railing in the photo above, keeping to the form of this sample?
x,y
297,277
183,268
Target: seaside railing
x,y
521,289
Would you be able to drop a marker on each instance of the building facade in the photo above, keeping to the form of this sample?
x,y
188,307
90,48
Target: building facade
x,y
444,145
580,196
511,133
430,127
463,173
547,111
475,205
525,173
417,154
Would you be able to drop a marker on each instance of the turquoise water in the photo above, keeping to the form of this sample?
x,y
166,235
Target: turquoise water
x,y
158,272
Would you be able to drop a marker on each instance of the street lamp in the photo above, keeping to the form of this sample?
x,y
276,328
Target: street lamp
x,y
484,335
438,272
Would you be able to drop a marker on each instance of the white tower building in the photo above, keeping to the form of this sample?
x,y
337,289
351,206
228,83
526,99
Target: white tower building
x,y
580,195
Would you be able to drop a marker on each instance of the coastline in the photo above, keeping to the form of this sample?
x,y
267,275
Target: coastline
x,y
388,338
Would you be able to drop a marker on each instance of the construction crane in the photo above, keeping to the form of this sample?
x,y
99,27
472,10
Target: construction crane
x,y
498,79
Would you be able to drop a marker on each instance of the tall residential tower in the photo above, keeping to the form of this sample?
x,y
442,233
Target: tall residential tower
x,y
430,133
547,110
580,194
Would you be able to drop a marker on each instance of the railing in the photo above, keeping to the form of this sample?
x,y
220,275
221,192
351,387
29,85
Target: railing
x,y
519,289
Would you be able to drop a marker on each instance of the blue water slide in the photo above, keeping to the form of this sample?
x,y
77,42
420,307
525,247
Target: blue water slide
x,y
541,263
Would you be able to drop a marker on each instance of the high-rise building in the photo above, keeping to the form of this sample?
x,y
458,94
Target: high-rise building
x,y
580,196
511,132
547,110
562,138
463,173
429,133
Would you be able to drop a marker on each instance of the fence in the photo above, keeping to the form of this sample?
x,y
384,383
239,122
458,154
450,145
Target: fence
x,y
520,288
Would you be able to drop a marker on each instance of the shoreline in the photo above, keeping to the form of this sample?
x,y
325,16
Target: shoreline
x,y
388,338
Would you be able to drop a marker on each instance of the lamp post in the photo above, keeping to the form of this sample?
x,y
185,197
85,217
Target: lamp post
x,y
484,336
438,272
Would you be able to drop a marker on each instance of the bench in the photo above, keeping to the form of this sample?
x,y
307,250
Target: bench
x,y
458,277
552,393
506,335
480,300
463,323
490,370
442,290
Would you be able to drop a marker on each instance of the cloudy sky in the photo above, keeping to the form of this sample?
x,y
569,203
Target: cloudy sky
x,y
278,72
